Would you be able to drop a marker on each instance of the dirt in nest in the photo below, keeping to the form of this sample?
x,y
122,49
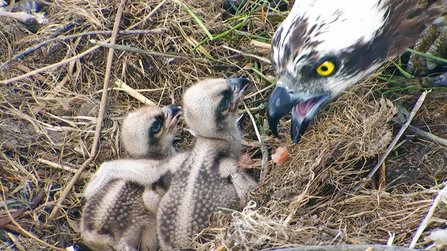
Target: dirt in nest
x,y
317,196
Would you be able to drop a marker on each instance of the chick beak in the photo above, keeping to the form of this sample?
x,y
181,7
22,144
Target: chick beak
x,y
304,107
239,86
172,114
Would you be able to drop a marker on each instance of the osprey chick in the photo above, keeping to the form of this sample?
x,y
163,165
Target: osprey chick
x,y
326,46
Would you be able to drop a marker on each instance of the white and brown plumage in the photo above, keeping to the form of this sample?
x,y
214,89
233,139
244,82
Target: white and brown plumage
x,y
122,214
325,46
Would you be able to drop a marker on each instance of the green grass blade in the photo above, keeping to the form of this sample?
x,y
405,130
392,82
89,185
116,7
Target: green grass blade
x,y
427,55
402,71
197,19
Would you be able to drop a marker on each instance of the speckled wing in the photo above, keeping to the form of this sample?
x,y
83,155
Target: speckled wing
x,y
118,212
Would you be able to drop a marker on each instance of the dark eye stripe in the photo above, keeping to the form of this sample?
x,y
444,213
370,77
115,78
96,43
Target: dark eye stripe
x,y
157,125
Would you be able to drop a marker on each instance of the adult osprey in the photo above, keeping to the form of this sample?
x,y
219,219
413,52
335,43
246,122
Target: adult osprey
x,y
326,46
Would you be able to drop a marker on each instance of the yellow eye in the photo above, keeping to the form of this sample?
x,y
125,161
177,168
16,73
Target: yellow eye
x,y
326,68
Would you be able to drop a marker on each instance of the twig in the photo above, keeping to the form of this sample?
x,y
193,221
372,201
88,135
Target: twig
x,y
422,133
90,33
84,175
265,152
16,242
13,229
335,233
101,113
260,91
27,69
22,17
61,63
399,134
80,55
261,44
152,53
347,248
56,165
24,232
39,197
254,123
441,195
140,97
148,15
265,60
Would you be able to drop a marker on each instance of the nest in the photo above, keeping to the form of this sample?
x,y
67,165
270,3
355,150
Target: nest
x,y
317,196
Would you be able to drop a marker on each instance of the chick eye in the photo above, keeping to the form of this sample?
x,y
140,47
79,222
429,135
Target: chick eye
x,y
156,126
224,103
326,68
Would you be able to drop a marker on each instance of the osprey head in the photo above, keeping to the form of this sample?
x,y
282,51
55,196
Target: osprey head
x,y
326,46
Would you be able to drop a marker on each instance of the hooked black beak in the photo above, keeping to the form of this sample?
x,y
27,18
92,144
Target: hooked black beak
x,y
304,107
280,103
239,86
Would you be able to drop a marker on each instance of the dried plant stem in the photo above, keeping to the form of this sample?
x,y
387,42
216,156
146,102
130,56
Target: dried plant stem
x,y
23,231
152,53
15,241
422,133
101,113
399,134
148,15
27,69
133,93
265,60
63,38
39,197
61,63
265,151
78,56
261,44
56,165
254,123
441,196
348,248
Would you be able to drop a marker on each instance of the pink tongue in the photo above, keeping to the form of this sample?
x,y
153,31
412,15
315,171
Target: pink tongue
x,y
302,109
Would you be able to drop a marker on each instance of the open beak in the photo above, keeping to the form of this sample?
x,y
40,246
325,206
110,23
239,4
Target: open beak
x,y
172,114
303,105
239,86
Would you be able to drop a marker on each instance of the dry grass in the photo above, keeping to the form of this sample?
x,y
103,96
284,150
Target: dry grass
x,y
317,196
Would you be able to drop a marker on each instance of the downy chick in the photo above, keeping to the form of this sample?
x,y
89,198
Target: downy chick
x,y
204,178
121,214
209,178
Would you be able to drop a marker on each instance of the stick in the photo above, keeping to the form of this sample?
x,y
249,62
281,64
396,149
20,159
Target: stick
x,y
61,63
254,123
39,197
399,134
89,33
261,44
80,55
27,69
422,133
152,53
441,196
23,231
265,60
15,241
140,97
347,248
56,165
101,114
